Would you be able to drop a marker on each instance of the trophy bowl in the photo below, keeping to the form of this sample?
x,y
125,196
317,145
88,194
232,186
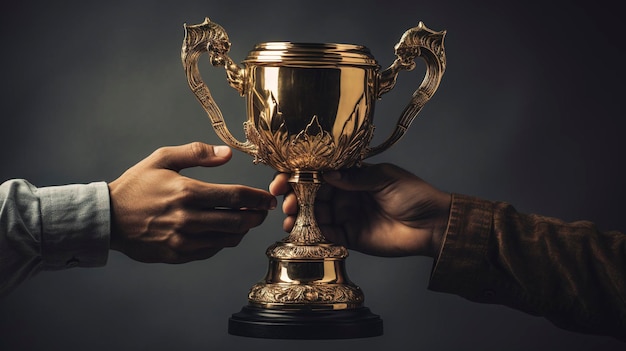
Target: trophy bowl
x,y
309,109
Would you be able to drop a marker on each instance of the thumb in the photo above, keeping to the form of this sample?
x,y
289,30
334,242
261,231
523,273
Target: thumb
x,y
194,154
366,178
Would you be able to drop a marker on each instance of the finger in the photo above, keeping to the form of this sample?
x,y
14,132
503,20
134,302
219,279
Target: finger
x,y
223,220
370,178
197,222
194,154
290,204
209,195
288,223
280,184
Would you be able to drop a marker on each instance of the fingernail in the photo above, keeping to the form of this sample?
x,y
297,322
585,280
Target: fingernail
x,y
221,150
273,203
332,175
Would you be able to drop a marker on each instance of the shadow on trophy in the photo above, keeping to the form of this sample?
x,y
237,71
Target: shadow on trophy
x,y
309,110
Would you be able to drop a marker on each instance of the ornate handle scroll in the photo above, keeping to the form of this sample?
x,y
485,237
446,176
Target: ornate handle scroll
x,y
416,42
210,37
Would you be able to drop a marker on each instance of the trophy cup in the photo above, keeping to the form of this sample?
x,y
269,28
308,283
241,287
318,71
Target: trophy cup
x,y
309,110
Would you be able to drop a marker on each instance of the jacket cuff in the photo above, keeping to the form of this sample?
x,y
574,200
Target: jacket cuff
x,y
462,257
75,225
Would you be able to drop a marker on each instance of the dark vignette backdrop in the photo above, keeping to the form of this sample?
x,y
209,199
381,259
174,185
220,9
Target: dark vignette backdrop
x,y
530,111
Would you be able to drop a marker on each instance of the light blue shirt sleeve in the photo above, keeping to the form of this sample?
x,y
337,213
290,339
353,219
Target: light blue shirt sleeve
x,y
51,228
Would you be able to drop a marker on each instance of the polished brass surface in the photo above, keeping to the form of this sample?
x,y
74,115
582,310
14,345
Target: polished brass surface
x,y
306,275
311,284
309,110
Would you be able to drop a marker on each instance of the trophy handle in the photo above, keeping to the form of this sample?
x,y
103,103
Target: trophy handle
x,y
210,37
427,44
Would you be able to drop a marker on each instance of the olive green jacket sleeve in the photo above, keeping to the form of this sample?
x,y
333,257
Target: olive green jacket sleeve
x,y
570,273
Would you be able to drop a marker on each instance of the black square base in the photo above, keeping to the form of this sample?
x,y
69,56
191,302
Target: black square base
x,y
267,323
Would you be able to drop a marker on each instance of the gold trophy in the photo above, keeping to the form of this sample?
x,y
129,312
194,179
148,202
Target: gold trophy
x,y
309,110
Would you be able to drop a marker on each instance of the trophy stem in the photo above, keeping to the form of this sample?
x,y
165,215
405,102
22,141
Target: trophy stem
x,y
305,231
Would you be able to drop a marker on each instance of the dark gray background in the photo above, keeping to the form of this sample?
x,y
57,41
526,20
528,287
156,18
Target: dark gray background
x,y
530,111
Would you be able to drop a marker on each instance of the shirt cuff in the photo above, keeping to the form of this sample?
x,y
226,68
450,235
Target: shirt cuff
x,y
462,257
75,223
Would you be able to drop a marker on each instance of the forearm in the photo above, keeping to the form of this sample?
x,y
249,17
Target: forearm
x,y
570,273
51,228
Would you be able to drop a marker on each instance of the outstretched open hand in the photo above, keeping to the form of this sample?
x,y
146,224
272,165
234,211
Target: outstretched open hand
x,y
159,215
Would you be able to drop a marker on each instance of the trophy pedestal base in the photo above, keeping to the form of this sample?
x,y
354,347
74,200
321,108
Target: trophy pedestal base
x,y
267,323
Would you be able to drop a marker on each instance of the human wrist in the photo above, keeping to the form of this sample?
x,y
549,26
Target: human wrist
x,y
115,227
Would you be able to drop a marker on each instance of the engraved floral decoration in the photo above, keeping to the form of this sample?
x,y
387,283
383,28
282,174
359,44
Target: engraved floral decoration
x,y
313,148
286,252
305,294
